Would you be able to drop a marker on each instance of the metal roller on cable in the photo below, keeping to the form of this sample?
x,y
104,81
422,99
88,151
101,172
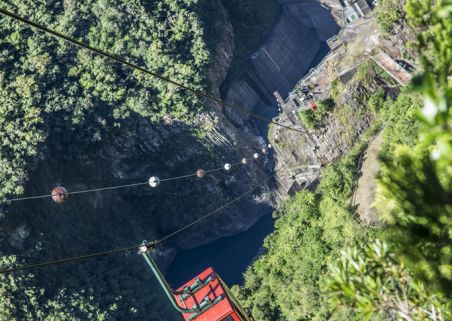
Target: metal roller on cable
x,y
154,181
200,173
59,194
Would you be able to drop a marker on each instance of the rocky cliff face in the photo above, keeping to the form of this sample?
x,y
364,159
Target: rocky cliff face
x,y
302,155
96,221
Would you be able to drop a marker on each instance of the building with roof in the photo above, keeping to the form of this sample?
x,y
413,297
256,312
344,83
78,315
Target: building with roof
x,y
354,9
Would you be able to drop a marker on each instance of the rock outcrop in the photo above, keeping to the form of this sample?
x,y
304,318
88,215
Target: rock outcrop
x,y
302,154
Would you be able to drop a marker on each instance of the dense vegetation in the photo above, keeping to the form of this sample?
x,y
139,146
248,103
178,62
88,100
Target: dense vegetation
x,y
35,305
315,267
49,87
58,102
285,283
414,191
390,14
312,118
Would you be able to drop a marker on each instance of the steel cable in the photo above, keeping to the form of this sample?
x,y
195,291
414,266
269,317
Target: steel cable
x,y
117,186
136,67
159,241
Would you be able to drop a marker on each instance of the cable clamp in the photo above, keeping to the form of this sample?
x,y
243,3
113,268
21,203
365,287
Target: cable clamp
x,y
147,247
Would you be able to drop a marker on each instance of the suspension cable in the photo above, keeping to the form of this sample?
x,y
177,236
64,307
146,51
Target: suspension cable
x,y
136,247
235,200
146,71
118,186
67,260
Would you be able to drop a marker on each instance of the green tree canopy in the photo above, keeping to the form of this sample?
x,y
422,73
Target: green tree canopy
x,y
20,300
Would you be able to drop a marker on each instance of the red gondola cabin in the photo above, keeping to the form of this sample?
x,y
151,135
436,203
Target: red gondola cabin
x,y
204,298
212,296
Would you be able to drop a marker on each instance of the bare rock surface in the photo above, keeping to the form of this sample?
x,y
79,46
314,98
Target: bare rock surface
x,y
365,192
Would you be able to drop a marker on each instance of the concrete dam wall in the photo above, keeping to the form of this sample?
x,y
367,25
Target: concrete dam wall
x,y
284,58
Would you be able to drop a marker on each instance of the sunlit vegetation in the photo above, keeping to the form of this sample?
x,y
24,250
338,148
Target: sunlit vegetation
x,y
311,229
389,14
49,87
321,264
312,118
376,286
415,188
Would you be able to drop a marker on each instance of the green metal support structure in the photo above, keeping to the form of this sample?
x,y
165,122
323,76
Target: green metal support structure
x,y
144,250
190,290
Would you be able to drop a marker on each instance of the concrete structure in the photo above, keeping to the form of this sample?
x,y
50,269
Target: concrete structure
x,y
389,65
294,102
284,58
354,9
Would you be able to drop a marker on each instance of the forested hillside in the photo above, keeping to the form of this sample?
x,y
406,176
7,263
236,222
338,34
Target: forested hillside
x,y
54,94
322,263
52,88
69,116
59,103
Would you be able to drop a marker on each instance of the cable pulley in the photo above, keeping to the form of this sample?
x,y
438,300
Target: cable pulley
x,y
59,194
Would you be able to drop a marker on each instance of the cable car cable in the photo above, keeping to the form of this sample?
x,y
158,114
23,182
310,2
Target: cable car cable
x,y
67,260
195,174
77,192
146,71
117,186
125,249
215,211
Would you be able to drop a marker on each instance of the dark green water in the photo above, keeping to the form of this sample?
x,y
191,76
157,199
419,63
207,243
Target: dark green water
x,y
229,256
